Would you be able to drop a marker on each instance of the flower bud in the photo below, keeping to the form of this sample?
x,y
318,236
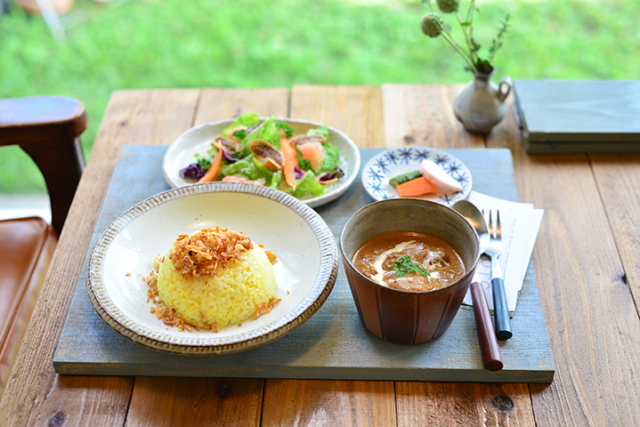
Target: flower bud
x,y
432,24
448,6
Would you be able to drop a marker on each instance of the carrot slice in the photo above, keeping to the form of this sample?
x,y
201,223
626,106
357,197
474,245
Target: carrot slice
x,y
416,187
290,162
214,170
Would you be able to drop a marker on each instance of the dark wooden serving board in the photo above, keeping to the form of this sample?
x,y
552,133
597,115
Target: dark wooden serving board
x,y
332,344
579,116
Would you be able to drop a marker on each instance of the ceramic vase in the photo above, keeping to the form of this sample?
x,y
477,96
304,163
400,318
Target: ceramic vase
x,y
481,105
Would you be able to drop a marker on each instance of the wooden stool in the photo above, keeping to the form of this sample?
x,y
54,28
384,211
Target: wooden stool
x,y
48,129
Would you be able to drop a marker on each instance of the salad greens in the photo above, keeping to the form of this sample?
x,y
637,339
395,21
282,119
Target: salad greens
x,y
270,153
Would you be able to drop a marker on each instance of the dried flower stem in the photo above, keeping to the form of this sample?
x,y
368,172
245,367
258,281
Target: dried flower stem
x,y
459,49
470,14
433,26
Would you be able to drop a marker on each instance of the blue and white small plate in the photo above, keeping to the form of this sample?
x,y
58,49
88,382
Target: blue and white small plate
x,y
390,163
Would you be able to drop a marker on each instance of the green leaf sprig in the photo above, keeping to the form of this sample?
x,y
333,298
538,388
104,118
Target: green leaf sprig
x,y
286,128
240,134
205,163
404,265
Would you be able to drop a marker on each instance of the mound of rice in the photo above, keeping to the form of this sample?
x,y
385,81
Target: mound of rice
x,y
229,292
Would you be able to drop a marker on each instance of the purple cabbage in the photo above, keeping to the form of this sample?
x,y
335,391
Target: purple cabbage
x,y
229,157
330,176
193,171
299,173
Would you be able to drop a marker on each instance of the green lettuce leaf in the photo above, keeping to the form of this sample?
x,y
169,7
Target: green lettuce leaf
x,y
267,131
322,130
244,168
308,186
249,169
276,179
247,119
331,159
272,179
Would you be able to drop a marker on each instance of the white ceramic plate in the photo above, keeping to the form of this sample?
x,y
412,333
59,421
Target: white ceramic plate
x,y
198,140
306,269
391,163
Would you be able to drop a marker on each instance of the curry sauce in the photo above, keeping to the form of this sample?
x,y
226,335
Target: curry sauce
x,y
409,261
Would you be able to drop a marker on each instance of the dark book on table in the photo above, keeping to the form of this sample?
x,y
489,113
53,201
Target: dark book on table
x,y
579,116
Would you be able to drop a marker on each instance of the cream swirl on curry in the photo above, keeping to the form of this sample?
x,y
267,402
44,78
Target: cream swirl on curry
x,y
409,261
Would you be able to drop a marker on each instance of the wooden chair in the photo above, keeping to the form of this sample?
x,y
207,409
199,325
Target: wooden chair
x,y
48,129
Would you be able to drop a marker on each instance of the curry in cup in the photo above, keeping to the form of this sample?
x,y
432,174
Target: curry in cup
x,y
409,263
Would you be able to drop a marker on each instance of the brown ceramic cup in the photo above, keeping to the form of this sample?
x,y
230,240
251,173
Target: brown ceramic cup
x,y
401,316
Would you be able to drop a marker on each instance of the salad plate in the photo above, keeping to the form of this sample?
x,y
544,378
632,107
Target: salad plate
x,y
196,142
306,270
383,167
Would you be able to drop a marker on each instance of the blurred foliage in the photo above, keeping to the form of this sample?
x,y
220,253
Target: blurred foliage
x,y
253,43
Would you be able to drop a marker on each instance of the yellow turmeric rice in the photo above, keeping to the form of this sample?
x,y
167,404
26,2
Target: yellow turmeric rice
x,y
215,278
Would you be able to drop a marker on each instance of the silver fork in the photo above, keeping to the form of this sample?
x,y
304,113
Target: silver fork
x,y
500,307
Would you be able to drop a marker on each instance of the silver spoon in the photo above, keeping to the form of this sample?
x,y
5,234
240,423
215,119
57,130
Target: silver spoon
x,y
491,355
475,217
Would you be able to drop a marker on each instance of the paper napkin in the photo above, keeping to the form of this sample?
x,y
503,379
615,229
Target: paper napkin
x,y
520,225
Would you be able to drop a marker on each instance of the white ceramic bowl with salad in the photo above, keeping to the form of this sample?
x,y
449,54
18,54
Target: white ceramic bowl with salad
x,y
339,167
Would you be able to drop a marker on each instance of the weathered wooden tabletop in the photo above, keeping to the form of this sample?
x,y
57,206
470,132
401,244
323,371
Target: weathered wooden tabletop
x,y
586,258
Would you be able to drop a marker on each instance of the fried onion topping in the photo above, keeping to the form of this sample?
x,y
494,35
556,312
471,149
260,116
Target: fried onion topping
x,y
203,252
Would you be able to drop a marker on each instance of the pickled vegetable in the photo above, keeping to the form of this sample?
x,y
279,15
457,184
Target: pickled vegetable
x,y
404,178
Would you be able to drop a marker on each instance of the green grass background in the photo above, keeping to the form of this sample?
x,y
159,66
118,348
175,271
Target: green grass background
x,y
279,43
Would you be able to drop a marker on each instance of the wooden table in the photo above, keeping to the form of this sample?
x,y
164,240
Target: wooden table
x,y
586,256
